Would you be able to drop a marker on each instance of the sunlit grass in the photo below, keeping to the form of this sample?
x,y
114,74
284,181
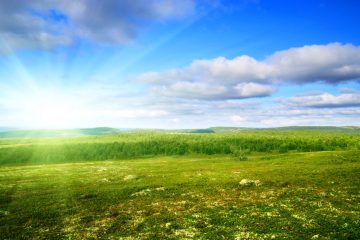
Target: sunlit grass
x,y
148,144
299,195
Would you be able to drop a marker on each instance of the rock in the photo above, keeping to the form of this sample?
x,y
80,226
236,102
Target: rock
x,y
249,182
129,177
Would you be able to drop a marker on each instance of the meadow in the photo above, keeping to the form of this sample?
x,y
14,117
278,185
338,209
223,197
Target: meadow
x,y
296,184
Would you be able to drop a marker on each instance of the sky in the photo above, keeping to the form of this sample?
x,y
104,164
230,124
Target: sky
x,y
179,64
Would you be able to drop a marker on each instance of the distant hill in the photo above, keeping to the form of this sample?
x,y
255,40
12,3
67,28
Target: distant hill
x,y
342,129
11,133
346,129
59,133
4,129
200,130
230,129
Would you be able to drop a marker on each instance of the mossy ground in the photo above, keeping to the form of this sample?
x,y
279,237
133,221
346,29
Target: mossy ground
x,y
300,196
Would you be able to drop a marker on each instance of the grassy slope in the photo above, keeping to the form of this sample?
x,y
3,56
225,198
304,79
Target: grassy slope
x,y
301,195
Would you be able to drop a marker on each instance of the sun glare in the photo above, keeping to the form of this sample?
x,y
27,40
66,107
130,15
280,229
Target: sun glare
x,y
49,111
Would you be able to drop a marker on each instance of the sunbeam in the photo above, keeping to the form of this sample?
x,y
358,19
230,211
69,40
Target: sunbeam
x,y
22,77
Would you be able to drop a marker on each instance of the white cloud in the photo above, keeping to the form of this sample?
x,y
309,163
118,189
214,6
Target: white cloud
x,y
330,63
209,91
325,100
240,69
245,77
243,68
192,89
43,24
20,27
115,21
132,113
237,104
279,116
247,90
238,118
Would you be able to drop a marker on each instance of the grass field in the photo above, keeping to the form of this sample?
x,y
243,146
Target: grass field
x,y
289,193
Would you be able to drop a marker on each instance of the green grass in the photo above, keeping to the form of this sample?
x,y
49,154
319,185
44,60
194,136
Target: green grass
x,y
301,195
144,144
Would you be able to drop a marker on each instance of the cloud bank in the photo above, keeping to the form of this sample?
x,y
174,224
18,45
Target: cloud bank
x,y
245,77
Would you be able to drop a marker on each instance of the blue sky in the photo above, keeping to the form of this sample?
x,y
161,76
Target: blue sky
x,y
179,64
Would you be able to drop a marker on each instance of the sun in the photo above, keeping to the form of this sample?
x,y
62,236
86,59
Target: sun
x,y
50,110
